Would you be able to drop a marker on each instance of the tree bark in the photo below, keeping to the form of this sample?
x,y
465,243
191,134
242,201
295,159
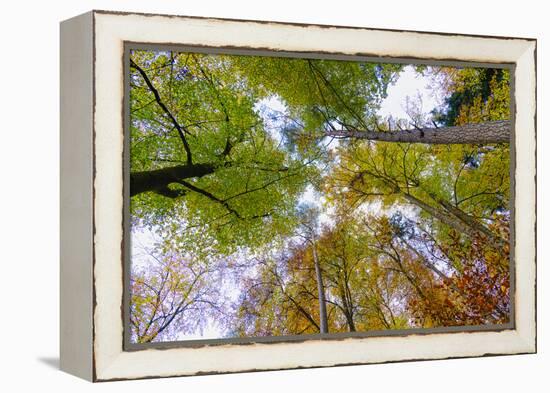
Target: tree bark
x,y
158,180
489,132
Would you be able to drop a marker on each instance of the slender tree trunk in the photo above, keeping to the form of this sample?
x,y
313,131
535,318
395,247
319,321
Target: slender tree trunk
x,y
347,299
489,132
158,180
351,323
441,215
495,240
457,219
320,289
348,309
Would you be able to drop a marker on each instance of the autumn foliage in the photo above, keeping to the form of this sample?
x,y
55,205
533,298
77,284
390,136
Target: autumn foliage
x,y
258,224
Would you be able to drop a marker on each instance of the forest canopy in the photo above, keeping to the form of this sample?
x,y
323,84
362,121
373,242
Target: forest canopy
x,y
272,196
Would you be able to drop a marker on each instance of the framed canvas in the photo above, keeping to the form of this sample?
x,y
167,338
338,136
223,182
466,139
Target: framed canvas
x,y
247,195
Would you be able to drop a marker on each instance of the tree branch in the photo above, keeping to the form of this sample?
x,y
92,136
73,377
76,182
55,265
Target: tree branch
x,y
181,129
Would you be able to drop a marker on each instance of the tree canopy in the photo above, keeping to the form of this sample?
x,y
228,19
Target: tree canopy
x,y
280,201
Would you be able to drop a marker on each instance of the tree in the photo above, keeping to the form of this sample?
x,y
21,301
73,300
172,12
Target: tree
x,y
360,291
321,93
309,221
280,299
200,154
224,152
463,187
166,290
473,95
477,109
420,176
235,183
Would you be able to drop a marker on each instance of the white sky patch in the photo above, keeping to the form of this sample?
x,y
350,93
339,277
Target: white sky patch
x,y
274,114
409,85
315,198
210,331
142,242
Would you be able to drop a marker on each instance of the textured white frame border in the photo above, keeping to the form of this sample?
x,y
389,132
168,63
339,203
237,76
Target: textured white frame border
x,y
110,31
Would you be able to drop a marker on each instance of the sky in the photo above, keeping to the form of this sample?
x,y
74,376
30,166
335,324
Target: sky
x,y
408,85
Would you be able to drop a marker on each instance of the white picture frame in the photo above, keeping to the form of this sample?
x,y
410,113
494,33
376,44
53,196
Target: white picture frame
x,y
92,194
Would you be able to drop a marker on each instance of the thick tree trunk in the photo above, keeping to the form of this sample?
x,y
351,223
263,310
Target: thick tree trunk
x,y
158,180
320,289
351,323
489,132
441,215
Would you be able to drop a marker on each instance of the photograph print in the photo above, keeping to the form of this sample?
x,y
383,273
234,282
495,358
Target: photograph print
x,y
279,197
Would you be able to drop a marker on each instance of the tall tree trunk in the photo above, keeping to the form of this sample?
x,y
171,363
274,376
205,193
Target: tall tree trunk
x,y
347,308
320,289
350,322
158,180
489,132
457,219
441,215
495,240
347,299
